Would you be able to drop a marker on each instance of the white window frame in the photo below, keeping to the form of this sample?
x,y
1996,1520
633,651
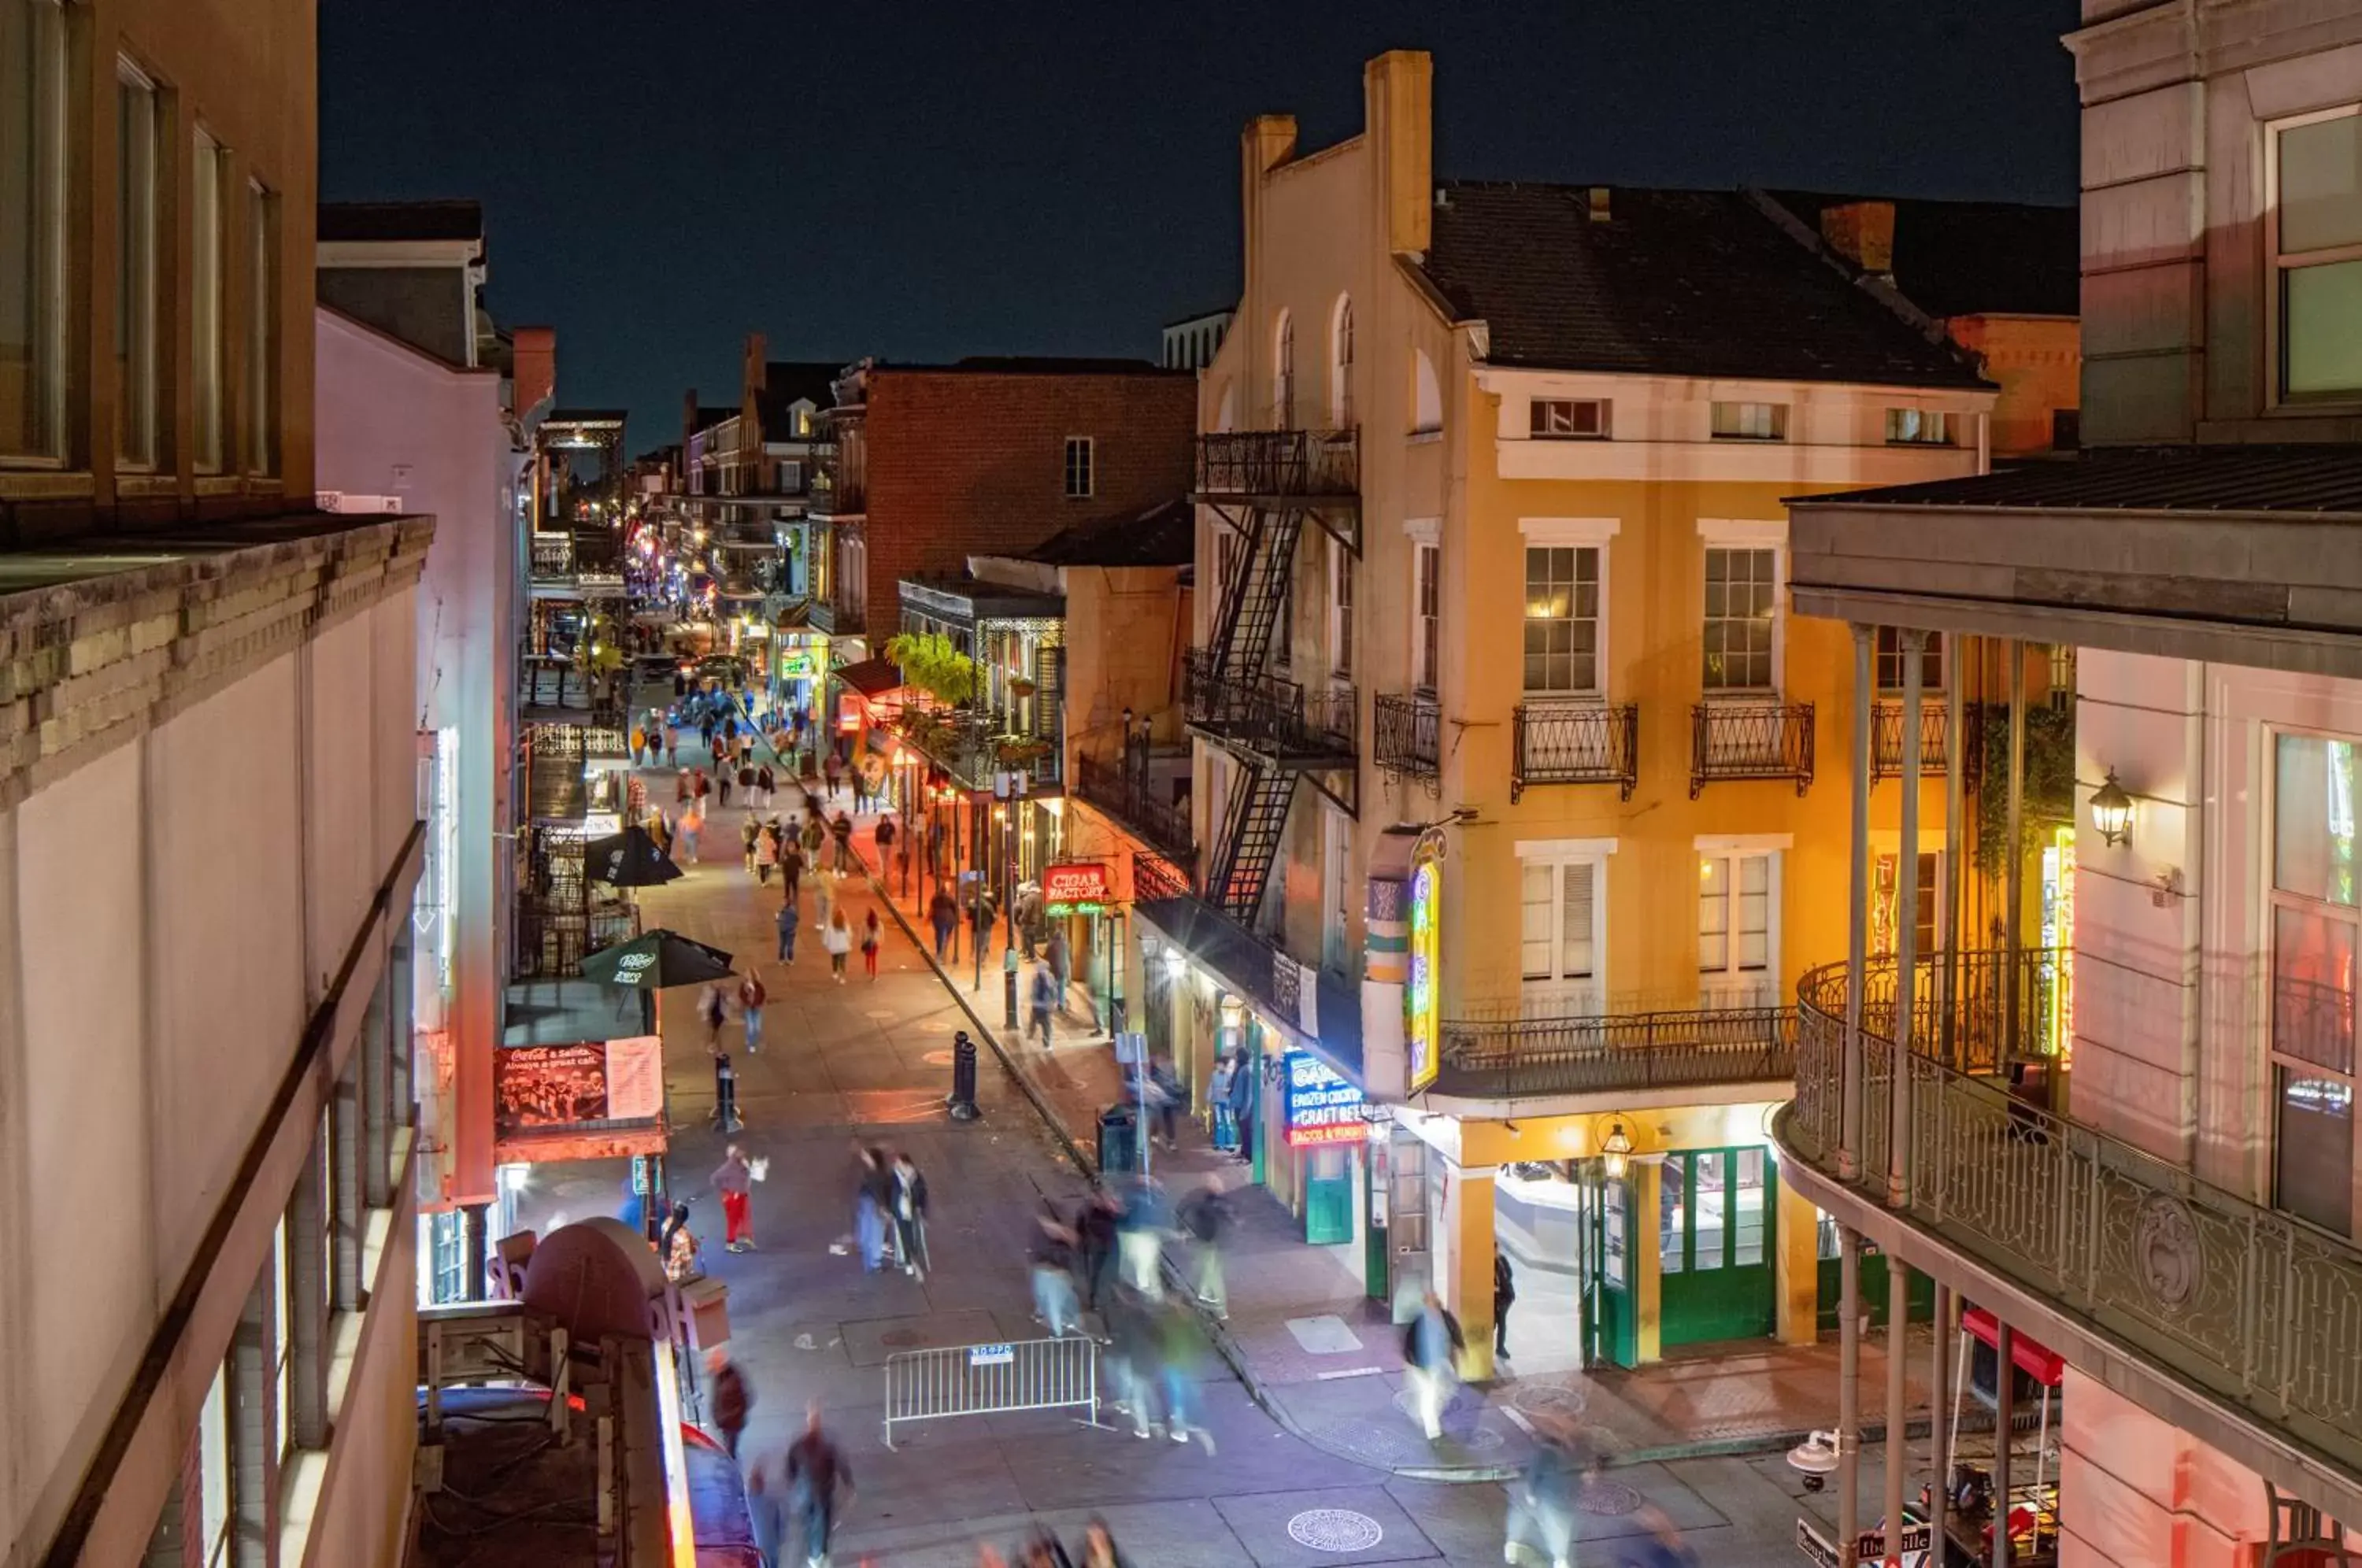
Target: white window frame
x,y
1778,420
2278,267
1283,371
1336,889
1749,533
60,138
283,1340
217,1473
1560,995
1580,534
1087,470
1732,985
1886,655
1342,650
209,302
1426,626
1911,426
1540,417
1340,364
264,288
138,314
1885,845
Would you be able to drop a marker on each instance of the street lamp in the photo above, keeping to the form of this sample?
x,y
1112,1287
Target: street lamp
x,y
1615,1153
2111,811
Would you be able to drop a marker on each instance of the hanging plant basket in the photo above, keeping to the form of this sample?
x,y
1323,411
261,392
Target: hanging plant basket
x,y
1020,687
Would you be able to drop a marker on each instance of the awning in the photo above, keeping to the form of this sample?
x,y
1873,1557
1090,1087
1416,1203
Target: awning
x,y
2032,1357
871,678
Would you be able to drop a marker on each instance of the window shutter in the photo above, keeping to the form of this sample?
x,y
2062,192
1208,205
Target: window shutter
x,y
1577,956
1536,921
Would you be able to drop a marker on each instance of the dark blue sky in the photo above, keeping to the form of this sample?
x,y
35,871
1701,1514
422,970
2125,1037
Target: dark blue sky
x,y
923,179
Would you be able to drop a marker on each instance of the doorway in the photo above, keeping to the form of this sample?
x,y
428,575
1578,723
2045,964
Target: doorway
x,y
1714,1214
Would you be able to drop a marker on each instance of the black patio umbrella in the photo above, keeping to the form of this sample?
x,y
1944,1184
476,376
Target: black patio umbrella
x,y
629,859
654,961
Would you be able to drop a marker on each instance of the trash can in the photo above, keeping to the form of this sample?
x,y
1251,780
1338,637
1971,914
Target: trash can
x,y
1118,1142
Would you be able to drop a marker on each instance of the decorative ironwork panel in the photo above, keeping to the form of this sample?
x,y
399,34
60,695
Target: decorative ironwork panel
x,y
1309,463
1750,740
1409,736
1574,740
1266,714
1509,1056
1935,730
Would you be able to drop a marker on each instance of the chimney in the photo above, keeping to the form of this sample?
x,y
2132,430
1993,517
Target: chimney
x,y
1863,233
1599,204
532,366
688,417
1399,113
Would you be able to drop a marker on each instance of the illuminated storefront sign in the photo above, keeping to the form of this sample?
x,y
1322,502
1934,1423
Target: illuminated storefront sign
x,y
1422,998
1080,888
580,1101
2058,939
797,666
1321,1106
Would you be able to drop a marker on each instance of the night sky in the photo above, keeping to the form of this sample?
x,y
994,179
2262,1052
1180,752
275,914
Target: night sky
x,y
930,178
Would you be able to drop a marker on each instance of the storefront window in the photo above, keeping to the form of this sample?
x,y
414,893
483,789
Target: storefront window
x,y
1747,1200
2314,938
1673,1189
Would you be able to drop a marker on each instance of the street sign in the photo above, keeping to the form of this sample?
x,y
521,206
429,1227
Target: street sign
x,y
991,1355
1869,1547
1077,888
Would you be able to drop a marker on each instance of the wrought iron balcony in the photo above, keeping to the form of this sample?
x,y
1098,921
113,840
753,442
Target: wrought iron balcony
x,y
1515,1057
2257,1309
1272,718
553,554
971,747
1409,736
1886,740
1319,466
1574,740
1125,796
837,495
1750,740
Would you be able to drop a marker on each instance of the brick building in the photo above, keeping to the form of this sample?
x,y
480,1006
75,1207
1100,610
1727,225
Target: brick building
x,y
936,463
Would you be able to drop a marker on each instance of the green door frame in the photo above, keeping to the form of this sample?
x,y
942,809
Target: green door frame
x,y
1613,1305
1730,1301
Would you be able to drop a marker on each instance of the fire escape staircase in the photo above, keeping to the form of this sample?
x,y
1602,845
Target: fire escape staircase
x,y
1252,821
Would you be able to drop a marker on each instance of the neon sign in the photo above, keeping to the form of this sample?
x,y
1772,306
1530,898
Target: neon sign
x,y
1422,998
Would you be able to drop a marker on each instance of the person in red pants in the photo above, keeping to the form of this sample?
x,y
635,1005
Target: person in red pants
x,y
734,1181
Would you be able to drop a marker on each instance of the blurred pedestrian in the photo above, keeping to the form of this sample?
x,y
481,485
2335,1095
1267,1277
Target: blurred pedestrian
x,y
842,831
692,827
748,832
1246,1082
823,897
942,915
1094,1228
672,745
1541,1500
873,1197
1099,1548
734,1181
1043,1003
751,997
1505,1293
884,834
832,769
1053,1277
677,1248
819,1483
1146,1220
871,935
722,780
766,852
765,782
1167,1097
910,1214
732,1398
767,1506
1041,1550
790,918
1176,1352
1055,958
684,788
1205,1214
836,938
1432,1343
1664,1548
1132,1349
712,1009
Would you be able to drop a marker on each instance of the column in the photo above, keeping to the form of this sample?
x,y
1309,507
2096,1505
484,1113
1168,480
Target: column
x,y
1796,1270
1857,911
1898,1438
1644,1235
1466,1280
1956,743
1848,1394
2013,864
2005,1417
1939,1410
1907,933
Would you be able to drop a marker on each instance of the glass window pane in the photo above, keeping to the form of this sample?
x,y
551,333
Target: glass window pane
x,y
1536,922
2313,989
207,197
282,1337
2321,328
1709,1243
1575,961
34,132
1672,1205
213,1462
1746,1197
2320,184
1613,1195
2313,1173
2313,818
135,273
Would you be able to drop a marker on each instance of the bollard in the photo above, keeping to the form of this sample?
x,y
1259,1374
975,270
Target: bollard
x,y
962,1099
725,1095
1009,986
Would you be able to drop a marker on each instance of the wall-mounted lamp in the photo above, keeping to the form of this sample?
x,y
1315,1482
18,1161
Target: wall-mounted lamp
x,y
1614,1151
2112,812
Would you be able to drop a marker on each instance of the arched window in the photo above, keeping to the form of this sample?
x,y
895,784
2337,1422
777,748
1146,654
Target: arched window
x,y
1282,374
1226,416
1426,395
1340,364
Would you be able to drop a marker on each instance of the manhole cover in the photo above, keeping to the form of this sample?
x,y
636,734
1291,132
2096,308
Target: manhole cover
x,y
1547,1400
899,1337
937,1058
1607,1499
1335,1530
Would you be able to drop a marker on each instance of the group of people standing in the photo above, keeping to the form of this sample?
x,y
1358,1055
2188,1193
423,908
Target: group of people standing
x,y
890,1211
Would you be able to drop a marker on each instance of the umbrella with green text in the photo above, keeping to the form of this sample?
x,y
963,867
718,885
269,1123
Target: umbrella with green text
x,y
654,961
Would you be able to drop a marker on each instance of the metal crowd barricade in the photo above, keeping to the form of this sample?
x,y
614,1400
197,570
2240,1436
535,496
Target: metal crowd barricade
x,y
992,1380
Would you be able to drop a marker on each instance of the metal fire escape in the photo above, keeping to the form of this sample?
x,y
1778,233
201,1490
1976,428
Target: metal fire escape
x,y
1263,487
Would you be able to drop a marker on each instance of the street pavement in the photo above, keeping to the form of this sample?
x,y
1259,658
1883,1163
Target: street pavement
x,y
870,1061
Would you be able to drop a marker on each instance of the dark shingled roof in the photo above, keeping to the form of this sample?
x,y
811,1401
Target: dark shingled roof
x,y
1974,258
356,221
786,382
2323,480
1164,535
708,417
1044,365
1676,283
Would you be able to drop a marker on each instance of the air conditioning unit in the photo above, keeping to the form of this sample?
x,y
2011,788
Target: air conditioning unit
x,y
337,501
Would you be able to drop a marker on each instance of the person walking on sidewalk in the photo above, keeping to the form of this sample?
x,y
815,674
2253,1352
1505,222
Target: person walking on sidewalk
x,y
712,1009
789,920
1053,1260
748,832
942,915
836,937
1205,1214
1542,1500
791,861
910,1214
766,853
1430,1342
872,1199
819,1482
831,769
722,780
692,828
1043,1003
732,1398
1167,1097
815,830
1132,1346
734,1181
842,830
672,745
1177,1359
1095,1230
702,787
677,1248
751,997
871,935
824,899
1055,958
1505,1292
884,834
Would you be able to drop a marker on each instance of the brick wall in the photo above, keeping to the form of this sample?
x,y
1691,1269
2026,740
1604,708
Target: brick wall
x,y
967,462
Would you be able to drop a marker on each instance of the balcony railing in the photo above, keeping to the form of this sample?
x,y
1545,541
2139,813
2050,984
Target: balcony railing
x,y
1750,740
972,748
1409,736
1127,797
1516,1057
1310,465
1574,740
2258,1308
1886,742
553,554
1266,714
835,495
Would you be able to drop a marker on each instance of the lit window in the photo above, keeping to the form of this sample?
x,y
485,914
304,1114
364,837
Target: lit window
x,y
38,136
1558,926
1918,427
208,303
2316,937
1078,468
1282,374
1427,650
1567,419
137,127
1742,596
262,330
1735,937
1562,618
2318,223
1751,422
1340,367
1889,661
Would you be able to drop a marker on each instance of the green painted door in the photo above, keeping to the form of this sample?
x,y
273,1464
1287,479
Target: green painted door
x,y
1611,1290
1328,1195
1874,1283
1715,1258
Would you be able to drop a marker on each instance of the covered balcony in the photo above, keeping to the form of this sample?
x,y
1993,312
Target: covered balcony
x,y
1575,740
1133,799
1409,741
1509,1054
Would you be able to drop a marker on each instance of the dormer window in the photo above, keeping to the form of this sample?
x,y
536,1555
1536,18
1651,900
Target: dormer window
x,y
1568,419
2316,223
1918,427
1751,422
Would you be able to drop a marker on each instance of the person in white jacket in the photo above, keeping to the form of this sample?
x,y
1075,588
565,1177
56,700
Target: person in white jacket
x,y
837,939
